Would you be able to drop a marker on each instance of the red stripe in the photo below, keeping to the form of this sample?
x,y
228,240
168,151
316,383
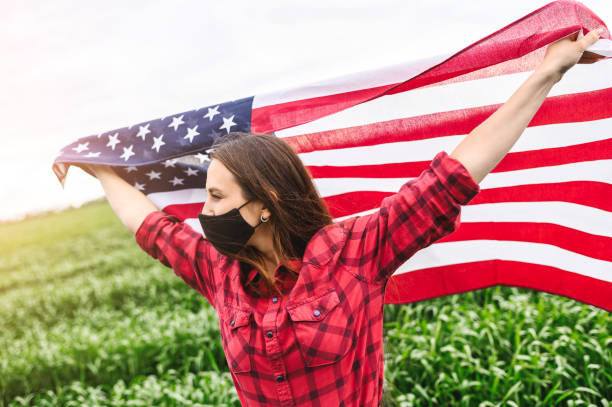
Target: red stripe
x,y
576,107
184,211
434,282
587,193
596,150
487,53
595,246
267,119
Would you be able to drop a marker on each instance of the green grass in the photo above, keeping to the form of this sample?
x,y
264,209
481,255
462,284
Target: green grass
x,y
87,318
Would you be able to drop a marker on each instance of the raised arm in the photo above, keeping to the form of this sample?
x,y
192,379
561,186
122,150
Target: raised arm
x,y
164,237
488,143
130,204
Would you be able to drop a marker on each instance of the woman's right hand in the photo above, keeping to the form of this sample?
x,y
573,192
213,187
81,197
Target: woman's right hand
x,y
96,169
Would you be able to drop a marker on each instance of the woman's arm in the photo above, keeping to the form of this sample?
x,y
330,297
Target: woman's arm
x,y
490,141
164,237
130,205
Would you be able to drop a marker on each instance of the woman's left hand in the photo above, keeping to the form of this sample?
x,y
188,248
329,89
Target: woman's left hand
x,y
563,54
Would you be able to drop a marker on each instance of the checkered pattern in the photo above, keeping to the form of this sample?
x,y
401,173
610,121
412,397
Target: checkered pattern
x,y
321,343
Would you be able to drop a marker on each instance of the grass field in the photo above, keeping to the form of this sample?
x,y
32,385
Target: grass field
x,y
87,318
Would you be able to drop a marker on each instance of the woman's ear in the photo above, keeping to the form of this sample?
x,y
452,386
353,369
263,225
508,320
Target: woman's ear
x,y
265,213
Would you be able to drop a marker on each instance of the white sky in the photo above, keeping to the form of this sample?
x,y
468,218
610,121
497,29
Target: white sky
x,y
71,68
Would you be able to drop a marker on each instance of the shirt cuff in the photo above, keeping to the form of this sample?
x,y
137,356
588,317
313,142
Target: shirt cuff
x,y
455,178
149,229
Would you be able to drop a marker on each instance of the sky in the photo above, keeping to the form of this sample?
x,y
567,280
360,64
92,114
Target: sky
x,y
72,69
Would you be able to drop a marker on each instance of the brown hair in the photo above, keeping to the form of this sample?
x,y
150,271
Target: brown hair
x,y
267,169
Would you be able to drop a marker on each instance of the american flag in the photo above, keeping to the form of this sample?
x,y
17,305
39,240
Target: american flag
x,y
543,218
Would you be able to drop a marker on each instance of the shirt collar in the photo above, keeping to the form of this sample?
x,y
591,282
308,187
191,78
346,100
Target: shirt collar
x,y
279,271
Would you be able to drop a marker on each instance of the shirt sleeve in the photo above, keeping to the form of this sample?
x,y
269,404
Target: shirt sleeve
x,y
424,210
176,245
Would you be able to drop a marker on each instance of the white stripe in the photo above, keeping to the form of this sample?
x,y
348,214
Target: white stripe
x,y
570,215
336,186
454,96
600,171
195,224
448,253
602,47
364,213
533,138
357,81
182,196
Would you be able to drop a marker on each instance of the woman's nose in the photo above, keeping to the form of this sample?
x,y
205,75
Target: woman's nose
x,y
207,209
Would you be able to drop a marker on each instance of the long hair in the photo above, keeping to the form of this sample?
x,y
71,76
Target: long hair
x,y
267,169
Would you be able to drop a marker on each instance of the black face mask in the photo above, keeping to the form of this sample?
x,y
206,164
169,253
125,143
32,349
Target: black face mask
x,y
229,232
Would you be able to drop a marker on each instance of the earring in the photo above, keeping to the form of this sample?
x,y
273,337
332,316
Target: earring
x,y
261,218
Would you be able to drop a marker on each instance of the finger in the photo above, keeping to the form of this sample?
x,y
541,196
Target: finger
x,y
591,38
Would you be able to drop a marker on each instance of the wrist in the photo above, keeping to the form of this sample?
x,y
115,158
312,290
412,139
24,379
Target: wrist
x,y
548,74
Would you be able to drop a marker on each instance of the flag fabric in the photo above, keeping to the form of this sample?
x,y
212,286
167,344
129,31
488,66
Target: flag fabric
x,y
543,218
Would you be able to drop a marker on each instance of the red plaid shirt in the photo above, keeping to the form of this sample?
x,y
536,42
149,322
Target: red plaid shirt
x,y
321,342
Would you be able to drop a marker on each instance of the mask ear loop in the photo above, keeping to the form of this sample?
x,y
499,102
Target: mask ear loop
x,y
240,207
261,218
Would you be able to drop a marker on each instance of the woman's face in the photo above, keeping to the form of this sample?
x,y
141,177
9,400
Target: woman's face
x,y
225,194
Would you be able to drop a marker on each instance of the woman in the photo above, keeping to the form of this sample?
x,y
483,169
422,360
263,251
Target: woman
x,y
299,298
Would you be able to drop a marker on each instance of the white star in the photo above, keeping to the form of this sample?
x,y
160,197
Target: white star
x,y
127,152
211,113
91,154
139,187
81,147
176,181
113,141
176,122
191,171
202,157
130,169
143,131
227,123
157,142
169,163
191,133
153,175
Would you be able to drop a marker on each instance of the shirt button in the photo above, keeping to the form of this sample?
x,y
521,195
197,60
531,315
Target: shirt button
x,y
275,300
269,334
316,313
280,378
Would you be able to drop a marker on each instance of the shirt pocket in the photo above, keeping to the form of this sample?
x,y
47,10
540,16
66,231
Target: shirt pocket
x,y
323,329
236,332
